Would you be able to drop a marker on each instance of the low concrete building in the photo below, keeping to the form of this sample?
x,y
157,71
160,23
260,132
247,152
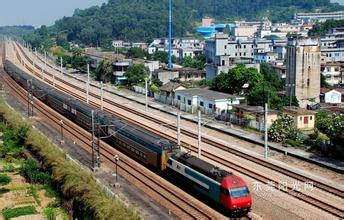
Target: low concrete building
x,y
330,96
252,116
304,119
208,101
181,74
167,93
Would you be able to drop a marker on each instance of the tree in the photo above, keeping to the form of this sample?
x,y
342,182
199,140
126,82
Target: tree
x,y
234,80
323,83
198,62
137,53
271,76
136,73
104,71
283,129
332,125
162,56
264,93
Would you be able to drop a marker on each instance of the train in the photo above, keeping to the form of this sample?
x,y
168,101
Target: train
x,y
222,188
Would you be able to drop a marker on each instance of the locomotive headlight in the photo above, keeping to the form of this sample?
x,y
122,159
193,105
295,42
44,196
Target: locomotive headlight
x,y
234,206
248,204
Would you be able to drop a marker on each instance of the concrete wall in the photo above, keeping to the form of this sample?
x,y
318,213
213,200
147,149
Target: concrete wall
x,y
303,70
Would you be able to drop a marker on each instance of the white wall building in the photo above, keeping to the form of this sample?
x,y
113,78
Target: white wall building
x,y
208,101
331,97
222,52
180,46
265,57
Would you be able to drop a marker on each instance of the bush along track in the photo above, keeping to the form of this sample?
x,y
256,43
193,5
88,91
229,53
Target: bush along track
x,y
77,187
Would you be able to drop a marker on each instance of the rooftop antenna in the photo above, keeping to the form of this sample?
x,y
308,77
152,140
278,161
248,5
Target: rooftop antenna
x,y
170,66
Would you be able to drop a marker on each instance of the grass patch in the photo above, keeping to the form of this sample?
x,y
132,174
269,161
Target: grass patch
x,y
32,190
16,212
49,191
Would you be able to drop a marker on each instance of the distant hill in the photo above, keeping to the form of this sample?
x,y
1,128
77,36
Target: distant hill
x,y
16,30
142,20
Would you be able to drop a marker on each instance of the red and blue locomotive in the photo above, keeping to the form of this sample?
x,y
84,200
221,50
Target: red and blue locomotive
x,y
221,187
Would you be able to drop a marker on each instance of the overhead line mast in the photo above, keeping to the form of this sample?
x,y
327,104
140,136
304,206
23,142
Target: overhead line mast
x,y
170,65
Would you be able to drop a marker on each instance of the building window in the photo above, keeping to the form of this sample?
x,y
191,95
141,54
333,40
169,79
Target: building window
x,y
300,118
225,47
244,46
189,102
223,62
311,118
244,54
179,97
236,54
201,103
211,106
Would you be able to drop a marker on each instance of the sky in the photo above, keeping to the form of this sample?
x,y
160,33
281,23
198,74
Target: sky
x,y
339,1
39,12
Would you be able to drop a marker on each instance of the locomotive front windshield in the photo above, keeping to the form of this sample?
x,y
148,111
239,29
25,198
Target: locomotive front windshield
x,y
239,192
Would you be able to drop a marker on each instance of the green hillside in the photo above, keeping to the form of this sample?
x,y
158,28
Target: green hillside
x,y
142,20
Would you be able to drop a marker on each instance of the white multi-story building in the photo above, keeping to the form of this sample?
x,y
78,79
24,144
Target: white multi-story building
x,y
181,47
319,16
223,53
333,73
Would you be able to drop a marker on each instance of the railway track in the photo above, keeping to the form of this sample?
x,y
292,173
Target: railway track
x,y
287,172
297,194
166,194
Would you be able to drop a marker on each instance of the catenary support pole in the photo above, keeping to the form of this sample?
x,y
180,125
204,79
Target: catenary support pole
x,y
88,83
146,93
266,132
199,134
102,95
178,128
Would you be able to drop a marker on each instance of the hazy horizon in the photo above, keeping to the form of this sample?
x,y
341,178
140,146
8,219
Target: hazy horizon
x,y
40,12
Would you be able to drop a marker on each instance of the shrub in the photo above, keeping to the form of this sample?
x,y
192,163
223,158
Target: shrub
x,y
74,183
33,173
4,179
16,212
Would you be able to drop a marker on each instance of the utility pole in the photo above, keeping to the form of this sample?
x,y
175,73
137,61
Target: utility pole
x,y
62,139
266,131
146,93
199,134
45,63
33,63
170,36
61,68
101,95
178,128
88,83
